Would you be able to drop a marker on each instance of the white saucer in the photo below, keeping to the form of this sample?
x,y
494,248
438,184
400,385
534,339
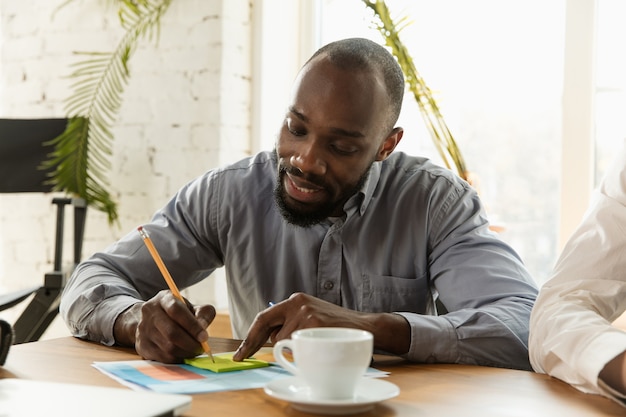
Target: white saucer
x,y
369,391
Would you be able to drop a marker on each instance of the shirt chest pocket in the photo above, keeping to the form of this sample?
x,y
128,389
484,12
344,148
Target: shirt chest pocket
x,y
392,294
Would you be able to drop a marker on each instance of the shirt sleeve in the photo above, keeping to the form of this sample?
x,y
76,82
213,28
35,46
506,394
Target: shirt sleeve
x,y
91,305
111,281
483,285
572,337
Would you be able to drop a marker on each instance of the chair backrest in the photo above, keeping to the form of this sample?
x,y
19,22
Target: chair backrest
x,y
22,151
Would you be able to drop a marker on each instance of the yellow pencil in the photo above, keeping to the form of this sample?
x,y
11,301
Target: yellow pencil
x,y
168,278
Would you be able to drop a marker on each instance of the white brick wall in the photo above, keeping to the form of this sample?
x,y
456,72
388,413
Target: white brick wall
x,y
185,110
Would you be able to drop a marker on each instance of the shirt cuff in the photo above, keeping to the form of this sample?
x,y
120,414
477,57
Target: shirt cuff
x,y
105,315
433,339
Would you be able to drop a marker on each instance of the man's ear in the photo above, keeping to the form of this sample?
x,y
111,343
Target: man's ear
x,y
390,143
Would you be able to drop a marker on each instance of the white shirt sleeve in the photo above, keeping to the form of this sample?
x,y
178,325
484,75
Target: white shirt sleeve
x,y
571,336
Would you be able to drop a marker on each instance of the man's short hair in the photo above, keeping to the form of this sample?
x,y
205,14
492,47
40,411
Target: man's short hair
x,y
360,54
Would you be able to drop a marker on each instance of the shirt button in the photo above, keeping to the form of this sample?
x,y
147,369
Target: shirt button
x,y
328,285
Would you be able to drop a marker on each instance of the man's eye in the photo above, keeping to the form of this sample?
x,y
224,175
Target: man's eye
x,y
342,150
295,132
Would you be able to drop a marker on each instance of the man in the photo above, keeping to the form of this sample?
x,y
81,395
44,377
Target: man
x,y
332,228
571,334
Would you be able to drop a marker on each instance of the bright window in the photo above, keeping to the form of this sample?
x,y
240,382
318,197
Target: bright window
x,y
610,83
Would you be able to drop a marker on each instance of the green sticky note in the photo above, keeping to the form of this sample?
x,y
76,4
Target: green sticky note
x,y
225,363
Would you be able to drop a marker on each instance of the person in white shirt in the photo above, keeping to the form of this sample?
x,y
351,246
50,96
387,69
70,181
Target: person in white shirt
x,y
571,333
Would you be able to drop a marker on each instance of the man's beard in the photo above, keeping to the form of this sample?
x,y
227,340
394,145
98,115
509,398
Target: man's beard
x,y
310,218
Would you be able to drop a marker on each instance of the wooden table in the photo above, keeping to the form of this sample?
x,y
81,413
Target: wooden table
x,y
425,390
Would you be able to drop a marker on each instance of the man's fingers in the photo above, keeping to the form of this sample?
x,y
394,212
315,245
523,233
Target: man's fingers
x,y
274,335
255,339
172,330
205,315
194,320
262,327
246,349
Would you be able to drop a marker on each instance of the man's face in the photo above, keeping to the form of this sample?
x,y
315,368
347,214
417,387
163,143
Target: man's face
x,y
331,135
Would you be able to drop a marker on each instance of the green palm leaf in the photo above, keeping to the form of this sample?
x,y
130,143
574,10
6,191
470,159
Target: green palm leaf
x,y
81,156
442,137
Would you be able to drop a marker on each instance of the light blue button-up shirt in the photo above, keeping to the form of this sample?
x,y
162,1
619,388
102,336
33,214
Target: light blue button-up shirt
x,y
414,233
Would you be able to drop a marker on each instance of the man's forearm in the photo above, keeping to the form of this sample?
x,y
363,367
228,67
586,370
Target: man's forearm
x,y
392,333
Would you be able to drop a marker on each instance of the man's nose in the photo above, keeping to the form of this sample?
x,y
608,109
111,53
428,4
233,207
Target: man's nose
x,y
308,159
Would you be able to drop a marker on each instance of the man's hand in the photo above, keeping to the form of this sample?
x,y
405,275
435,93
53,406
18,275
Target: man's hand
x,y
164,329
614,373
391,331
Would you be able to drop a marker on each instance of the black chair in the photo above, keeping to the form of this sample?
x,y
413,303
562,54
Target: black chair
x,y
6,340
22,151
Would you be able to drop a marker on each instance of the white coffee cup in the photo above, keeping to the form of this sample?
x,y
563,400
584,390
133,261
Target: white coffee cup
x,y
330,360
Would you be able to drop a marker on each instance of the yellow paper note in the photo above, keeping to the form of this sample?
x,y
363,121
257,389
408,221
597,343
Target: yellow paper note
x,y
225,363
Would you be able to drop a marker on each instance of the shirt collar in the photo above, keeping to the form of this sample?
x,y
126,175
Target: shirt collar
x,y
363,197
